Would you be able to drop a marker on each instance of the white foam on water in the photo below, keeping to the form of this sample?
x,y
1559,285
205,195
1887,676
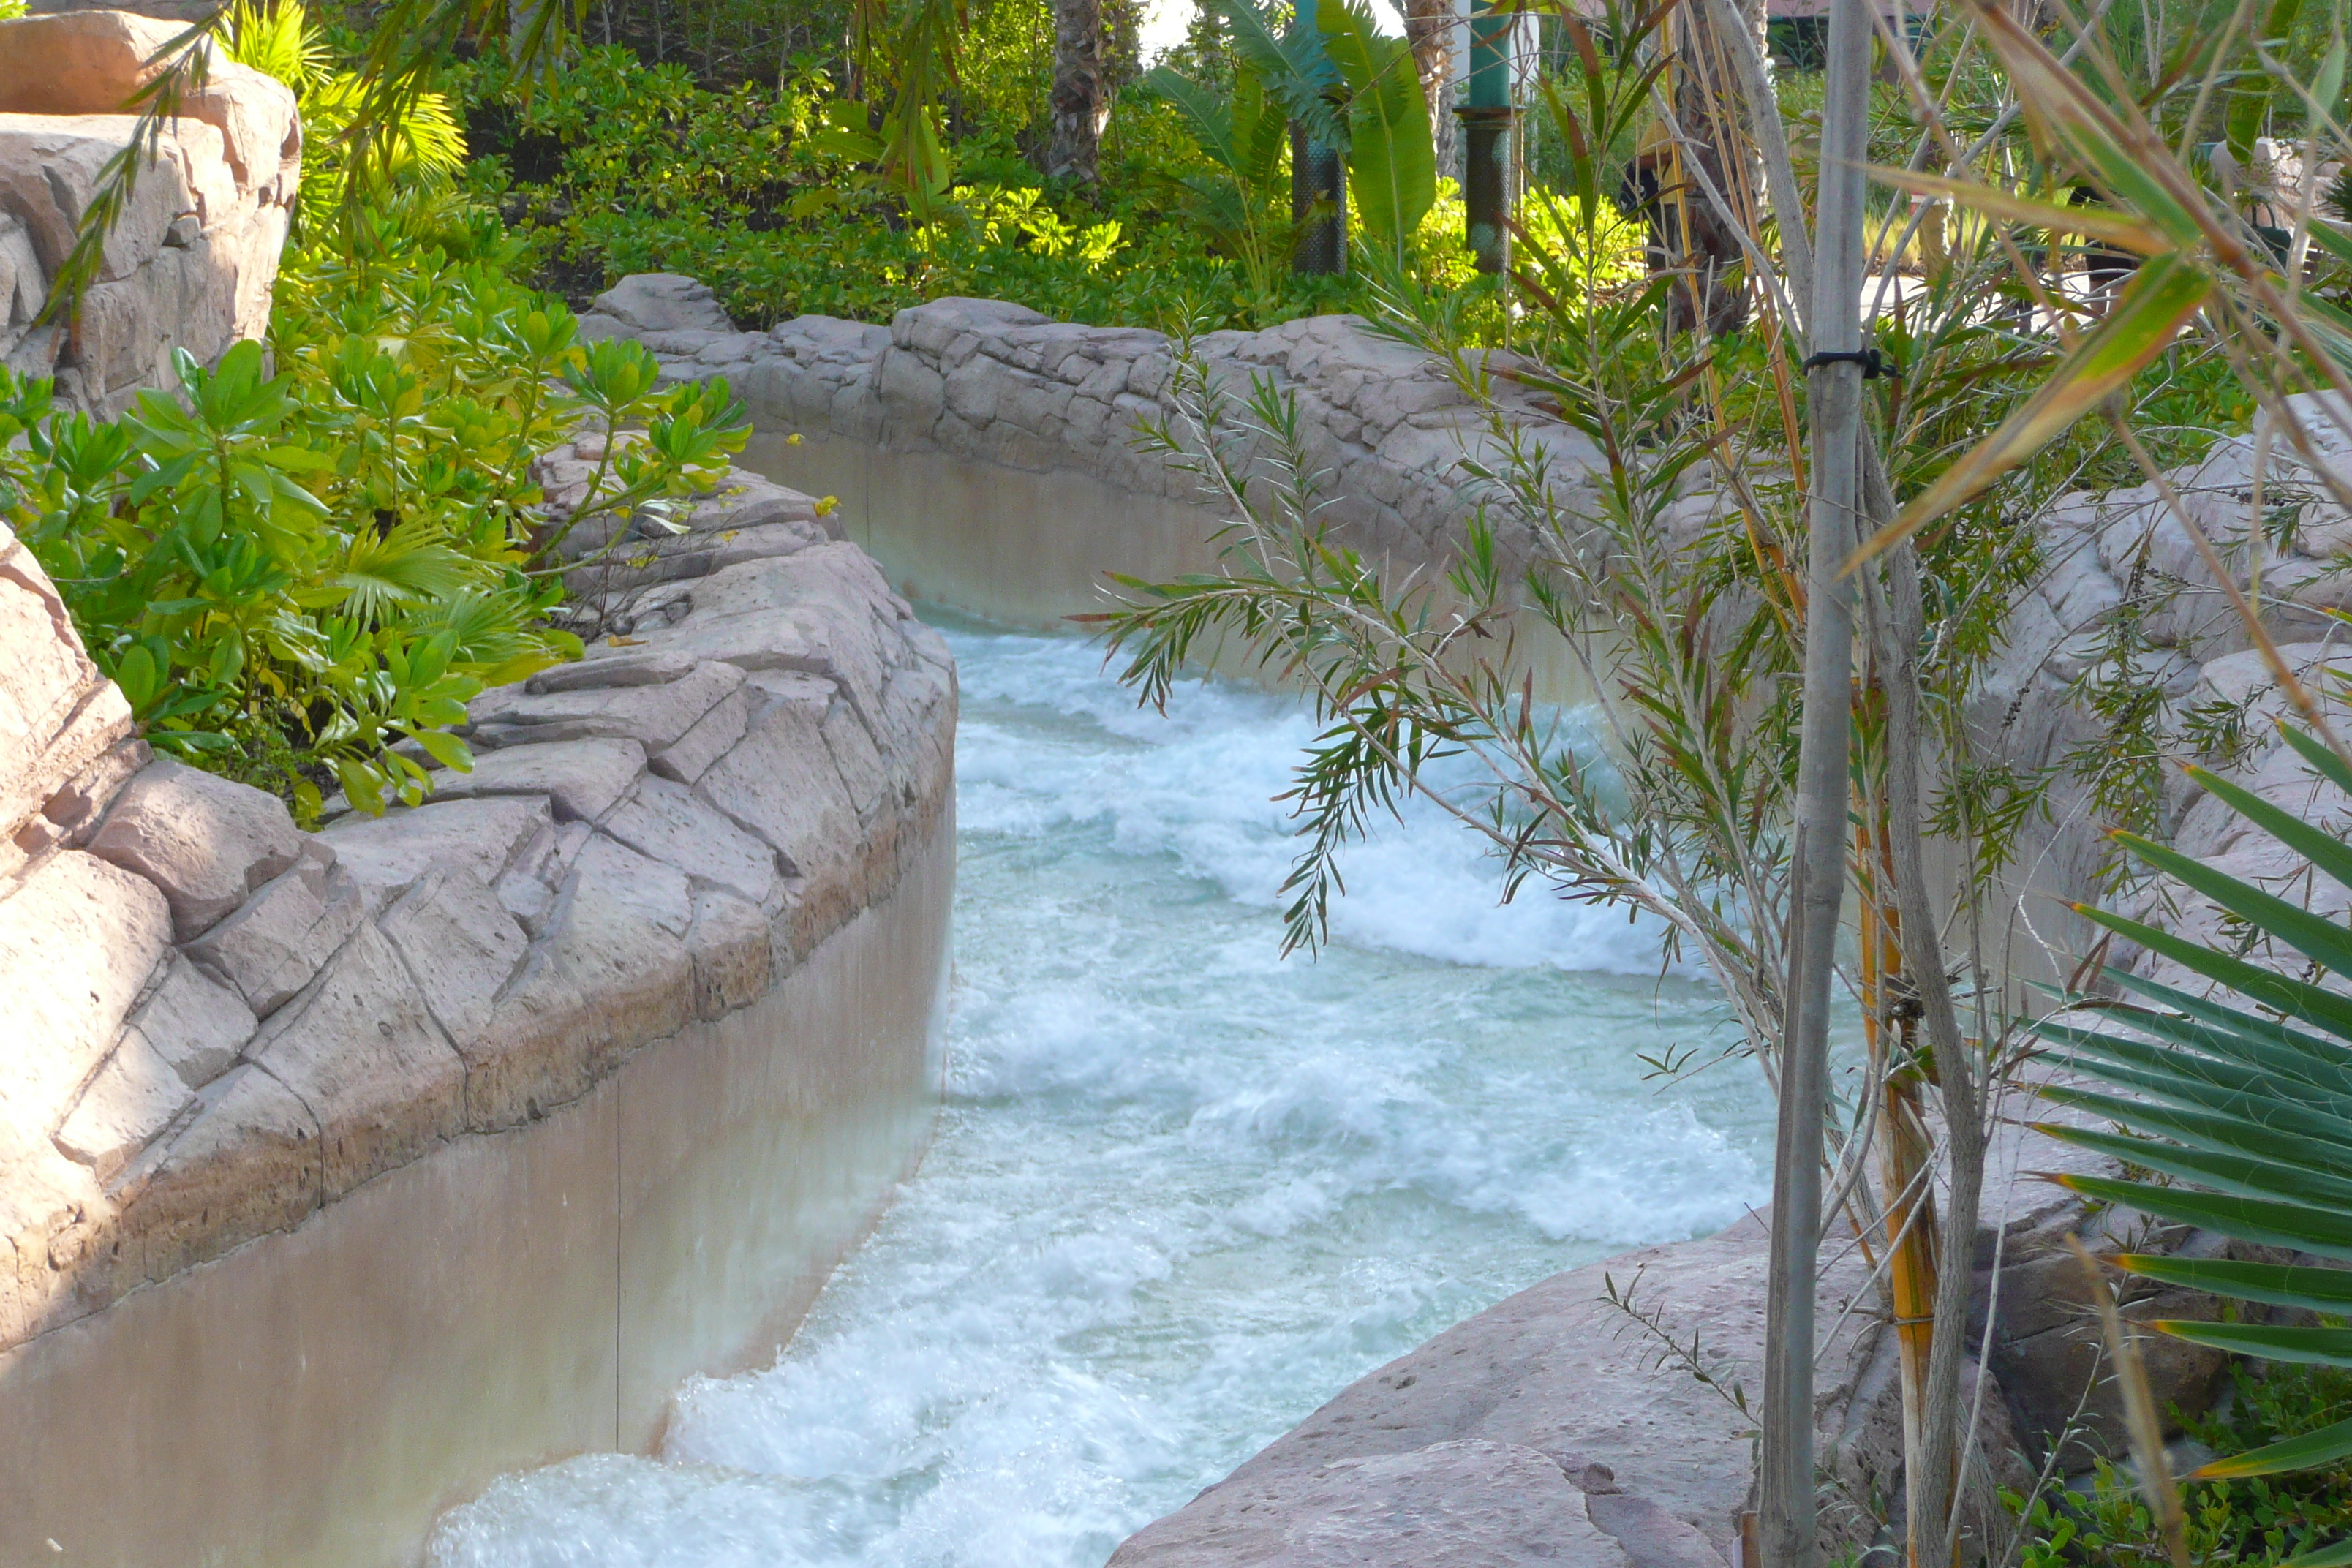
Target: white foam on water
x,y
1200,781
1181,1191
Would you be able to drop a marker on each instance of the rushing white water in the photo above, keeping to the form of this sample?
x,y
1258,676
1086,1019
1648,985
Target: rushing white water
x,y
1182,1190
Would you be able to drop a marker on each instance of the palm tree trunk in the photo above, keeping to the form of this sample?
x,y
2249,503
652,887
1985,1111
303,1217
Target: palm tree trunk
x,y
1707,92
1081,96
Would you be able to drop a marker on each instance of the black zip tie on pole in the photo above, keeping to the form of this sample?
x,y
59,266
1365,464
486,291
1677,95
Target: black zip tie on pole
x,y
1873,364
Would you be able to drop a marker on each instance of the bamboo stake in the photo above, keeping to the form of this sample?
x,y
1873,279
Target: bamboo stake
x,y
1818,861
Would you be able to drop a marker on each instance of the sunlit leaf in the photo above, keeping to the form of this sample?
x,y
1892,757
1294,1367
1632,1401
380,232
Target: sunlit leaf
x,y
2112,227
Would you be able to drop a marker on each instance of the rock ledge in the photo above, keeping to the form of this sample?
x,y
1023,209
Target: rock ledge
x,y
226,1023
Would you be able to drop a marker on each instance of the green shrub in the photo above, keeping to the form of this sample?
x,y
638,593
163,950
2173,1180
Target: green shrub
x,y
612,167
301,578
2256,1520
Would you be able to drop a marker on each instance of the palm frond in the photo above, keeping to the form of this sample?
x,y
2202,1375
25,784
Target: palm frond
x,y
407,565
279,41
2231,1117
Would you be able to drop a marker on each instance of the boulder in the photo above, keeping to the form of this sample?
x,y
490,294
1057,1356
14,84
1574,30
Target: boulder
x,y
460,943
711,737
1560,1371
189,263
779,785
74,812
78,939
664,303
209,843
80,61
60,720
654,716
389,854
135,1096
732,953
1461,1504
611,972
603,669
360,1052
667,822
245,1163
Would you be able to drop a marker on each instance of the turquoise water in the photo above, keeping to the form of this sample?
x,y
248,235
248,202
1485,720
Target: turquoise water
x,y
1182,1190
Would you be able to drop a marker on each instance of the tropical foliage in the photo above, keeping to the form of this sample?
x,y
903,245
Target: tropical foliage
x,y
301,578
284,42
2258,1519
300,573
2240,1113
773,197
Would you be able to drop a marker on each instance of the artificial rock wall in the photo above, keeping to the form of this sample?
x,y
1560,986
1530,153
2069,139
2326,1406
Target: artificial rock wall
x,y
190,260
678,938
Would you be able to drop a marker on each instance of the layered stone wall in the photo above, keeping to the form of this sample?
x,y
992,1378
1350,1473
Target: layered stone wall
x,y
190,259
615,1043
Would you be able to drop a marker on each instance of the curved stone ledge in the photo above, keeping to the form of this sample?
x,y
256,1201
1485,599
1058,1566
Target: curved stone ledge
x,y
679,936
986,454
315,1398
241,1022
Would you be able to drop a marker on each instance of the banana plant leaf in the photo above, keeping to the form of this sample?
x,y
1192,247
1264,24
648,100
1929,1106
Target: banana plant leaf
x,y
1392,157
2235,1119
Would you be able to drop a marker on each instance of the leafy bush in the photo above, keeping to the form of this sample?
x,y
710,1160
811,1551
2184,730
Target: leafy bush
x,y
2252,1521
611,167
301,578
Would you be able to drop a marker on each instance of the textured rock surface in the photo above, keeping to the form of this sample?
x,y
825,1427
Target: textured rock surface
x,y
1463,1504
989,382
207,843
190,263
69,732
229,1023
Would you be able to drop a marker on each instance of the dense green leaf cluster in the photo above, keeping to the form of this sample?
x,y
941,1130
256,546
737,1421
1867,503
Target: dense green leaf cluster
x,y
301,577
612,167
2252,1521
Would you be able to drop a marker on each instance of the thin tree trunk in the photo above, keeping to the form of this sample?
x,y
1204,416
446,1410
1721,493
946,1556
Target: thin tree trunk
x,y
1318,178
1081,97
1742,34
1788,1523
1906,1150
1935,1488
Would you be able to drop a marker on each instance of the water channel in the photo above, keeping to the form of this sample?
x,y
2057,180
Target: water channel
x,y
1182,1190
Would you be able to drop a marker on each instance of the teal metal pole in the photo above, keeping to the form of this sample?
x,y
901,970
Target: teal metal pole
x,y
1485,115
